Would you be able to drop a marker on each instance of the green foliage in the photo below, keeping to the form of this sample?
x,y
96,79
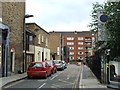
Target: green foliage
x,y
113,27
94,24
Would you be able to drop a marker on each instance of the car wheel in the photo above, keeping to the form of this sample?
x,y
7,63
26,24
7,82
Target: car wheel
x,y
52,71
29,77
63,68
55,70
46,75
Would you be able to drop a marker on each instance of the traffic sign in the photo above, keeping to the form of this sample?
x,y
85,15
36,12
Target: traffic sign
x,y
103,18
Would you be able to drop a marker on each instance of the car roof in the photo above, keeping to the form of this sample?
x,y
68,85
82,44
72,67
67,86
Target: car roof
x,y
36,62
57,60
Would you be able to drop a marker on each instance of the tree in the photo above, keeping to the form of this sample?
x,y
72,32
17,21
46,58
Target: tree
x,y
112,10
94,24
112,26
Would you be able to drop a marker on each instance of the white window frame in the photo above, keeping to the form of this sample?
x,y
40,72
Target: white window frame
x,y
71,58
71,48
80,38
39,41
42,38
80,54
80,48
81,58
70,38
46,41
80,43
71,53
70,43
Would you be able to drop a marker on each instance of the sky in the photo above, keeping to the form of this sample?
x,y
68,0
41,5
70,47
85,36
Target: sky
x,y
61,15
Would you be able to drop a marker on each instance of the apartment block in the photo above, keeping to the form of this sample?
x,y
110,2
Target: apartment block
x,y
74,45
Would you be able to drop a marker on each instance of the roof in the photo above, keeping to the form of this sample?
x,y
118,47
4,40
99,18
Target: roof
x,y
36,25
73,32
3,26
30,31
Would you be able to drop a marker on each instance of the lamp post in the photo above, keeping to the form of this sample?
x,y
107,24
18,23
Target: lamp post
x,y
24,42
61,57
107,52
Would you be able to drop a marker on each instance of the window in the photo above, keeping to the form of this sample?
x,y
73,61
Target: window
x,y
46,41
71,48
70,38
88,43
36,65
71,58
80,58
87,38
80,38
39,39
31,38
80,53
58,50
70,43
71,53
42,39
80,43
89,48
80,48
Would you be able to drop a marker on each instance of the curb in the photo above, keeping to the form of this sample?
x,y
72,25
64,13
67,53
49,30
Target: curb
x,y
13,82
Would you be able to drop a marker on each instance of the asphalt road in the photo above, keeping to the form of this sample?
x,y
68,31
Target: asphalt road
x,y
68,78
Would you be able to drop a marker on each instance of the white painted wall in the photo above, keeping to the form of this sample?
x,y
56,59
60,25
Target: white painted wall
x,y
38,53
46,54
38,50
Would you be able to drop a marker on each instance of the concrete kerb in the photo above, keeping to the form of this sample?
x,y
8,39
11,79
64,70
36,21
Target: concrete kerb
x,y
88,81
8,80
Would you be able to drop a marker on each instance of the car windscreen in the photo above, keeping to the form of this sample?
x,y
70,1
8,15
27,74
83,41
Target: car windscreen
x,y
36,65
57,62
50,63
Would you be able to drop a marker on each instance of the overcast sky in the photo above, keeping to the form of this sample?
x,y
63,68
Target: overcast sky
x,y
61,15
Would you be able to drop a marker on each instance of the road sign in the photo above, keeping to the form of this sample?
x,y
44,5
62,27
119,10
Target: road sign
x,y
103,18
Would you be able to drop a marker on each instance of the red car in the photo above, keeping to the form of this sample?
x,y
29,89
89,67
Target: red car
x,y
53,66
39,69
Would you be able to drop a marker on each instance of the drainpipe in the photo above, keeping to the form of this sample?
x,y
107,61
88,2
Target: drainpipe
x,y
24,37
7,48
61,44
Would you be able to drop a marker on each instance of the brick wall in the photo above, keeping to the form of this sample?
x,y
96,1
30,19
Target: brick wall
x,y
55,41
13,15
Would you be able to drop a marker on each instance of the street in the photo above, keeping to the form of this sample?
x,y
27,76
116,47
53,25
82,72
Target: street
x,y
68,78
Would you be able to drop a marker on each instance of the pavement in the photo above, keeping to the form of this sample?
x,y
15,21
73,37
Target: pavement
x,y
90,81
10,79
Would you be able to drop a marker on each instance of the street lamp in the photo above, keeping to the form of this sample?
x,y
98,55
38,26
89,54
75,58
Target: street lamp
x,y
27,16
24,45
107,52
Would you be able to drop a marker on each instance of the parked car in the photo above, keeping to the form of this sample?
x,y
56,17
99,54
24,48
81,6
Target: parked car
x,y
38,69
64,64
59,64
53,66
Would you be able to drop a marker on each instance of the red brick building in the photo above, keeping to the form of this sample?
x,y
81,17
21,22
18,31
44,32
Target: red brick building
x,y
79,45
